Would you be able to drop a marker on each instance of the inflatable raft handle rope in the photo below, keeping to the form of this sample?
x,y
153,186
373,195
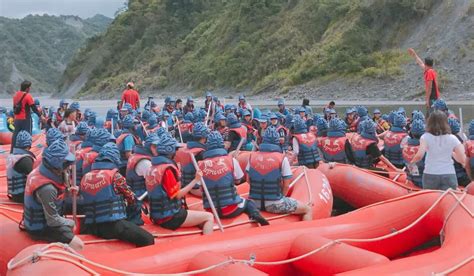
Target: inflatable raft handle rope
x,y
71,256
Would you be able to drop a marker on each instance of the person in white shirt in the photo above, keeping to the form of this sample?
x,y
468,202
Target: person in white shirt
x,y
440,147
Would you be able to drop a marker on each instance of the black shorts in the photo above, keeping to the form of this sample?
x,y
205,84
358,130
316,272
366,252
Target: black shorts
x,y
121,229
177,220
61,234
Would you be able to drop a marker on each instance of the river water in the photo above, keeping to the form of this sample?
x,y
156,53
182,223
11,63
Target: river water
x,y
467,107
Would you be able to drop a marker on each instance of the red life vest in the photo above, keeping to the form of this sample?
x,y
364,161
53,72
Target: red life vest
x,y
89,158
218,172
182,157
333,149
308,149
241,131
359,146
135,181
393,150
162,206
33,215
100,202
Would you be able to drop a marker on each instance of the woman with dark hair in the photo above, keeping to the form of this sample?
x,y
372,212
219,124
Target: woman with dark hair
x,y
440,147
68,125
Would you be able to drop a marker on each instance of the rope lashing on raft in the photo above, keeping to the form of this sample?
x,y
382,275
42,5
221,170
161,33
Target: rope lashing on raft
x,y
44,252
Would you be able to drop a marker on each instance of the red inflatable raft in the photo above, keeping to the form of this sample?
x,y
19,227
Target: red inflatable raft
x,y
359,187
381,239
314,190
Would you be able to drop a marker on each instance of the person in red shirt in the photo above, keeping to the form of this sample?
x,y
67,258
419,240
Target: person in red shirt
x,y
23,119
131,96
430,77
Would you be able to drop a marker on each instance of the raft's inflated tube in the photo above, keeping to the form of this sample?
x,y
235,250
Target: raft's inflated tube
x,y
334,259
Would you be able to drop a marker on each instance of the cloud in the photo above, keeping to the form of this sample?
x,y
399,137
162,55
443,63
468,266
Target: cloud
x,y
82,8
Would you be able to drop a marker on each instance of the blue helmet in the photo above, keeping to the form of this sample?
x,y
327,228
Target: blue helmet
x,y
401,110
128,107
82,128
289,121
152,121
471,128
377,111
178,114
440,104
109,152
281,102
321,124
386,118
37,102
208,94
202,114
57,153
299,125
227,107
112,114
349,110
391,117
367,127
241,97
152,138
417,127
233,107
455,125
233,121
75,106
100,136
146,115
167,99
167,144
362,111
23,139
245,112
200,130
91,118
399,120
337,124
128,122
271,136
99,122
189,117
214,141
300,109
272,116
52,135
63,102
220,117
189,100
418,115
160,131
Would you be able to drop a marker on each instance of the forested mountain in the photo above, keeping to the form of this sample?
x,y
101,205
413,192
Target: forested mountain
x,y
38,48
267,45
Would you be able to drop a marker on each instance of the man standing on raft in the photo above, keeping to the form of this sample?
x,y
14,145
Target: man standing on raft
x,y
431,80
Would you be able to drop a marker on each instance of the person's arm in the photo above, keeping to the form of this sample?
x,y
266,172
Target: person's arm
x,y
121,187
418,60
184,191
349,153
375,154
47,195
24,165
286,174
142,167
459,155
421,151
122,102
128,144
238,173
296,146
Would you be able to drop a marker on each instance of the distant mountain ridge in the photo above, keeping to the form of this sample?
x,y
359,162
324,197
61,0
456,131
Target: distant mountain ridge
x,y
38,48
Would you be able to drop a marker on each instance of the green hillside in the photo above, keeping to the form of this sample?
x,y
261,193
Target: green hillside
x,y
244,44
38,48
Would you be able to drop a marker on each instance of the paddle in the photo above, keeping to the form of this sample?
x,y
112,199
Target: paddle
x,y
179,129
204,187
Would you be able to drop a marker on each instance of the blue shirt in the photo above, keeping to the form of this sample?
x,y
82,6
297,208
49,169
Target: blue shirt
x,y
128,143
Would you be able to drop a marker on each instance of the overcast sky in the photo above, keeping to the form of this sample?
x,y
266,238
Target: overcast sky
x,y
82,8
